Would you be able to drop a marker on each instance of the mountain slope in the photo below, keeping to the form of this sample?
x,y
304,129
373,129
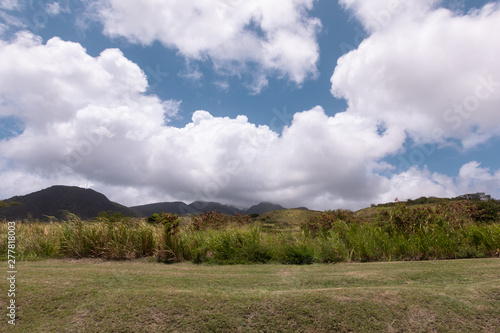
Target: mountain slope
x,y
55,200
179,208
202,206
263,207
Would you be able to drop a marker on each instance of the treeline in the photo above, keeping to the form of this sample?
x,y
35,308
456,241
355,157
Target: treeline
x,y
435,200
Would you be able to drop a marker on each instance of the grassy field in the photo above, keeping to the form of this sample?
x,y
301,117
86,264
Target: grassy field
x,y
92,295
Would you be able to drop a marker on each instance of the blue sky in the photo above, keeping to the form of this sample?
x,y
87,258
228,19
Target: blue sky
x,y
325,104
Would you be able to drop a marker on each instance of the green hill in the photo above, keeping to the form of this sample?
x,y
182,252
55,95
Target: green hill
x,y
287,219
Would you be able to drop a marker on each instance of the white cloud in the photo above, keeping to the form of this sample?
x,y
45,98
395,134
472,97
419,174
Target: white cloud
x,y
62,94
476,179
270,37
379,14
88,120
427,70
417,182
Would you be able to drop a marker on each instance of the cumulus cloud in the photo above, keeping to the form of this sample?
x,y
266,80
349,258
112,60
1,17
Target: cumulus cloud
x,y
428,70
90,117
275,38
62,95
89,121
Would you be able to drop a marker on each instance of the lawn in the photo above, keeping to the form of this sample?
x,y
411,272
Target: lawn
x,y
92,295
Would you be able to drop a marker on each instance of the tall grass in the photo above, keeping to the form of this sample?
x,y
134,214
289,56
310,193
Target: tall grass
x,y
110,240
401,233
33,240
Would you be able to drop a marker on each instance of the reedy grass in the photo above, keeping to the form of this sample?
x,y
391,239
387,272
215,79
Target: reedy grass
x,y
110,240
33,240
233,244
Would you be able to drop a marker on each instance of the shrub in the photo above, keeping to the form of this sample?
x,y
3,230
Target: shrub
x,y
410,220
241,219
213,219
171,247
489,211
297,254
112,217
327,220
331,249
426,219
120,240
230,246
458,214
163,218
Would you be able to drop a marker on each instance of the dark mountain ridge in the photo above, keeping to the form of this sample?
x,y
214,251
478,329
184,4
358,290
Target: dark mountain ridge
x,y
86,203
263,207
180,208
58,199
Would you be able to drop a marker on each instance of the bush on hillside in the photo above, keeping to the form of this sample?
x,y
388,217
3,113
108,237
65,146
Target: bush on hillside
x,y
112,217
327,220
490,211
453,214
209,220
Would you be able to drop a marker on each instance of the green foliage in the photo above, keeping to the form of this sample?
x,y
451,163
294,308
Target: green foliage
x,y
490,211
425,200
230,246
33,240
297,254
7,204
241,219
120,240
331,249
426,219
111,217
216,220
171,247
448,230
163,218
419,201
213,220
327,220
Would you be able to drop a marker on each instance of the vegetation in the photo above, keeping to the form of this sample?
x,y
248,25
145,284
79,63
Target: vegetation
x,y
92,295
89,295
7,204
447,230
